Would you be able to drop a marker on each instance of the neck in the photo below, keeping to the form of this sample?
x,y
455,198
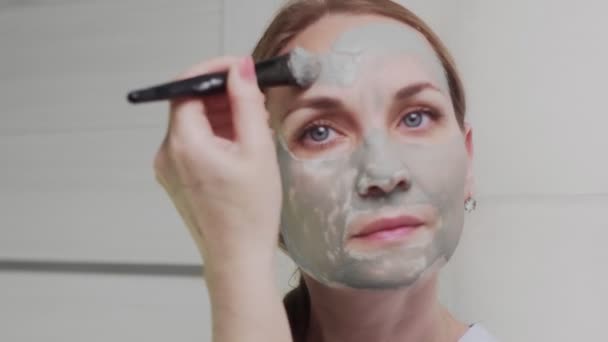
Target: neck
x,y
404,315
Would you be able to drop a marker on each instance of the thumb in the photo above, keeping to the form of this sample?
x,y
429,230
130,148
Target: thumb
x,y
247,105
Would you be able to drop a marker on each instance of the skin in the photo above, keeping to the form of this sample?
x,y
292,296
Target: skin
x,y
326,184
210,164
376,75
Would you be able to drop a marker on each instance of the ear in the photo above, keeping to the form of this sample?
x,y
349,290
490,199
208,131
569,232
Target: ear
x,y
469,189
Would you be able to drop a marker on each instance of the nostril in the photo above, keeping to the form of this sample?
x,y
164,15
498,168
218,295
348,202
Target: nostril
x,y
380,190
374,191
402,184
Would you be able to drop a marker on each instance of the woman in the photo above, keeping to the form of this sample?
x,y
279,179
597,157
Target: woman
x,y
362,176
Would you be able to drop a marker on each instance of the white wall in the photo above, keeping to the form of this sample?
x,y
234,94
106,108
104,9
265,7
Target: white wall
x,y
76,183
76,178
531,264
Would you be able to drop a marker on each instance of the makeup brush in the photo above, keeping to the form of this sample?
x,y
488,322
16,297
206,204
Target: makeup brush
x,y
297,68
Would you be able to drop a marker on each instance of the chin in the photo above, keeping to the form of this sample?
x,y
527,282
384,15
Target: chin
x,y
377,275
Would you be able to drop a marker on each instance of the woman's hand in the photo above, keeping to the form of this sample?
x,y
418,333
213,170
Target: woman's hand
x,y
218,164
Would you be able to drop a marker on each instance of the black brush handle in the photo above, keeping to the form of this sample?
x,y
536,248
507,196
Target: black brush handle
x,y
271,72
207,84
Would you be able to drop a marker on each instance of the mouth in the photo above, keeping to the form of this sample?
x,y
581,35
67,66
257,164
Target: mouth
x,y
388,227
385,229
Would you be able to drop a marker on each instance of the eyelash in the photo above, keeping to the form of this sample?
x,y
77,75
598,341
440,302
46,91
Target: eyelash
x,y
430,113
315,124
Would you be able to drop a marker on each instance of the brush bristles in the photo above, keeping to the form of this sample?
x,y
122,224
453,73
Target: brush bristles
x,y
305,67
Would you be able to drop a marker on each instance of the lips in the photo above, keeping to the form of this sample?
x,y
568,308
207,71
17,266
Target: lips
x,y
370,227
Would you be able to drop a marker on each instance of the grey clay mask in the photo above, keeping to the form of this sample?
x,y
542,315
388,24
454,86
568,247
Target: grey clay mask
x,y
325,195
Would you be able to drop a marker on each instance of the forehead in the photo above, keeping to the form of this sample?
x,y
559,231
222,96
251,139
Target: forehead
x,y
353,47
325,32
340,37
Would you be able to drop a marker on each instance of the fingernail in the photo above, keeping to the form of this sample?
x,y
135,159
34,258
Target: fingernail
x,y
247,69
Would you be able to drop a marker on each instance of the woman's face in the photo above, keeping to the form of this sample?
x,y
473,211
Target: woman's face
x,y
374,165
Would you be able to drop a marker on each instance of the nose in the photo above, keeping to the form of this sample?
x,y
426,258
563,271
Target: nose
x,y
383,180
381,168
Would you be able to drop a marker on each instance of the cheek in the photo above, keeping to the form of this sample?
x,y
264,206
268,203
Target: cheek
x,y
318,188
444,173
312,217
315,182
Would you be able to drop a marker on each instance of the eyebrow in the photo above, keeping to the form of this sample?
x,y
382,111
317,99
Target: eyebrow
x,y
412,90
325,103
329,103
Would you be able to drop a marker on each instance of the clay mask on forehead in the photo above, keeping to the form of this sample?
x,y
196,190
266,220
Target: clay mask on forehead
x,y
329,196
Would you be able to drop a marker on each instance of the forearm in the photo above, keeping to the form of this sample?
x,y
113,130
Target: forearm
x,y
245,303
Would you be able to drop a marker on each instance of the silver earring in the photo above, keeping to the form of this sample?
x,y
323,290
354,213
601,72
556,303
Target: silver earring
x,y
470,204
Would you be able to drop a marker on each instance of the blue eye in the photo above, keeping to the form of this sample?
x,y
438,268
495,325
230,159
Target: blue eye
x,y
318,133
413,119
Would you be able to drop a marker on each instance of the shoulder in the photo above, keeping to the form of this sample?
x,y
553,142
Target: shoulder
x,y
477,333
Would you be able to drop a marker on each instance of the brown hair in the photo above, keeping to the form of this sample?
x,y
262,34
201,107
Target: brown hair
x,y
296,16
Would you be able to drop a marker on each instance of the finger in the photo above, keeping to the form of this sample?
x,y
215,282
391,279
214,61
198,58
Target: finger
x,y
187,115
247,104
215,108
217,104
187,119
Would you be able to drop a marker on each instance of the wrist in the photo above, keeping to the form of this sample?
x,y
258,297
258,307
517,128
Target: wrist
x,y
241,286
240,267
246,301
